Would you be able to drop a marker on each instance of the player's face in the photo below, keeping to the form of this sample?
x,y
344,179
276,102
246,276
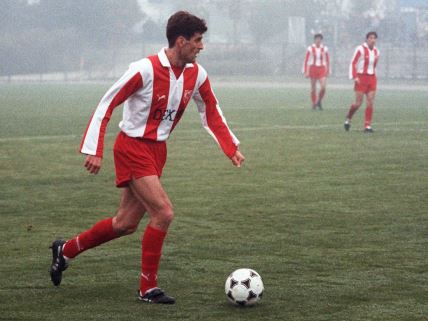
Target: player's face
x,y
318,41
192,47
371,40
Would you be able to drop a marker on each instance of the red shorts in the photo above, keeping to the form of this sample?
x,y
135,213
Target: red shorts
x,y
366,84
317,72
137,157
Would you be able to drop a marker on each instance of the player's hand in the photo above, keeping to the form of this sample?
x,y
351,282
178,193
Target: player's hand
x,y
357,80
93,164
306,74
238,159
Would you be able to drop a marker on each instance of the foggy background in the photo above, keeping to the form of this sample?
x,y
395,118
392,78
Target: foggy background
x,y
81,40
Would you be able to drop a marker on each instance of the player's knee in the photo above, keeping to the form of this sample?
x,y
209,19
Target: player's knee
x,y
123,227
167,213
126,229
163,213
163,217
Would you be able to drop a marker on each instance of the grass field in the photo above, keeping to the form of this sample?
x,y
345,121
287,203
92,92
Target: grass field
x,y
336,223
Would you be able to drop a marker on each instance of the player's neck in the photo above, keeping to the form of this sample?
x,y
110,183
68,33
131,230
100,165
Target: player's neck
x,y
174,58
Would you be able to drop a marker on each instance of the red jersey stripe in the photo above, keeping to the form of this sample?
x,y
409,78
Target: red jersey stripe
x,y
190,77
366,59
354,64
322,56
305,64
314,55
161,83
86,131
376,53
215,120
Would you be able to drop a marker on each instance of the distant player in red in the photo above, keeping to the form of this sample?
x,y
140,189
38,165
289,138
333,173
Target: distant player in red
x,y
316,66
363,71
155,92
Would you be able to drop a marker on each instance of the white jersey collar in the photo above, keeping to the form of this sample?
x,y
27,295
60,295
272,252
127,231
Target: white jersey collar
x,y
165,61
367,46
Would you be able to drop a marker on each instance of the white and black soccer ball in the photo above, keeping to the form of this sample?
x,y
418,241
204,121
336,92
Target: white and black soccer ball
x,y
244,287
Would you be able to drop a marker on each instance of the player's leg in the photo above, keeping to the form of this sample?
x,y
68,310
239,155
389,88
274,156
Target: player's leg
x,y
359,96
150,192
126,221
323,84
314,92
369,111
129,214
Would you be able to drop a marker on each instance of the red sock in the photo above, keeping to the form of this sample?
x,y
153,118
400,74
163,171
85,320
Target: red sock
x,y
352,111
368,116
321,94
100,233
150,256
313,97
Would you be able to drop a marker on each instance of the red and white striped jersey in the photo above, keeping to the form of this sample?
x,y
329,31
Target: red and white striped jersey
x,y
316,56
154,101
364,61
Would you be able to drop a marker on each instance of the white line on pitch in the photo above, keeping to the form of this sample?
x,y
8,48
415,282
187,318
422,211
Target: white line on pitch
x,y
265,128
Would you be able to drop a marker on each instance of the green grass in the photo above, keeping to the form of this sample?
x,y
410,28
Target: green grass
x,y
336,223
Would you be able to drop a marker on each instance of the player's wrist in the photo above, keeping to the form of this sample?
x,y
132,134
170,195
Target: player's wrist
x,y
233,152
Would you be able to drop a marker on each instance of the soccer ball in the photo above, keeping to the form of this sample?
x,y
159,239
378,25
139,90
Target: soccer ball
x,y
244,287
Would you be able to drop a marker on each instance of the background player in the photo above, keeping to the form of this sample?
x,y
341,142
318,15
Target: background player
x,y
363,71
155,92
316,66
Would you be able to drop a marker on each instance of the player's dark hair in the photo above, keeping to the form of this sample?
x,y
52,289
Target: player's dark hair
x,y
183,23
318,35
371,33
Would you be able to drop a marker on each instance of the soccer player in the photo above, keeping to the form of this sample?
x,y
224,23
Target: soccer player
x,y
155,92
363,70
316,66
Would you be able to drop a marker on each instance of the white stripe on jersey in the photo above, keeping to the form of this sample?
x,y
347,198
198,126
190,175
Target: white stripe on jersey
x,y
175,94
132,123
